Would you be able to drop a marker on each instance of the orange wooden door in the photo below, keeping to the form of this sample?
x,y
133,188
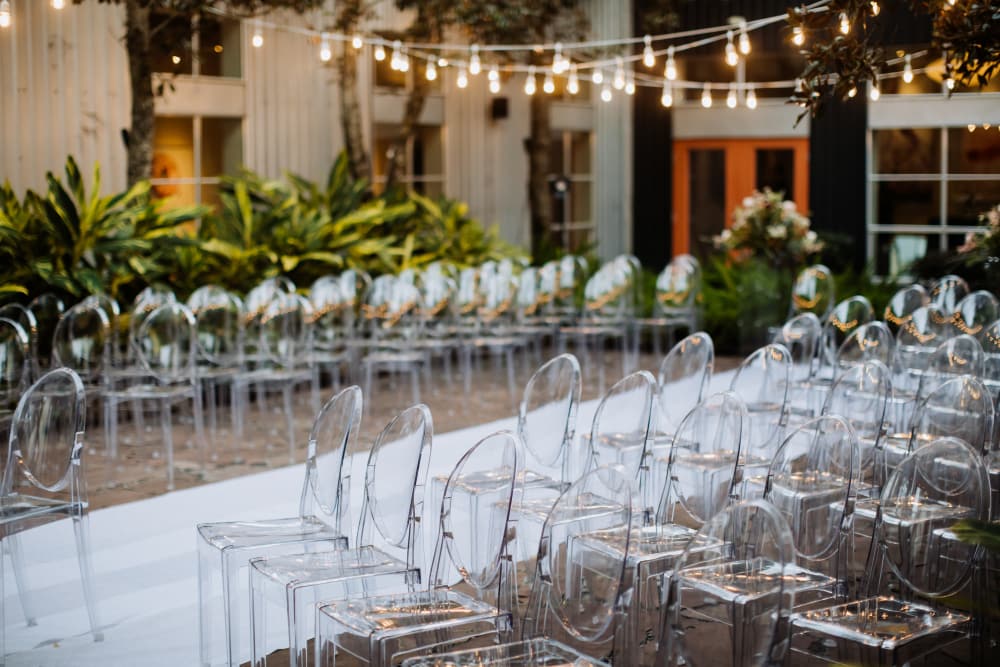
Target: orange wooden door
x,y
712,176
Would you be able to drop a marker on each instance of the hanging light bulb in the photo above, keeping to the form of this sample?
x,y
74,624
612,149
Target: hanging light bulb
x,y
5,17
873,93
379,52
751,98
557,59
619,80
606,92
706,96
648,59
462,80
548,85
597,77
950,82
845,23
852,92
876,8
431,71
731,98
573,85
494,78
667,96
529,83
670,71
394,61
798,36
907,69
58,4
442,62
404,62
744,39
356,41
731,58
971,127
258,36
630,83
324,48
474,65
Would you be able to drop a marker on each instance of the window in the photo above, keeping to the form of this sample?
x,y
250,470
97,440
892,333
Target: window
x,y
571,179
927,186
189,155
204,46
424,159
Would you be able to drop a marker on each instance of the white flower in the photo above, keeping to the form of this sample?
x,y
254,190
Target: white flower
x,y
810,237
777,231
739,223
788,206
725,235
748,202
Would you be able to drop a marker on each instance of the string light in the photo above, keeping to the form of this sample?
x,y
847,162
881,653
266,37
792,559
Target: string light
x,y
463,77
670,71
798,36
431,70
175,60
845,23
706,97
950,82
731,58
394,61
630,83
667,97
258,37
442,62
873,92
529,83
356,41
731,98
548,85
972,127
494,77
560,63
852,92
474,65
597,77
379,53
619,80
573,85
907,69
5,14
751,98
648,59
744,39
606,92
58,4
875,8
324,48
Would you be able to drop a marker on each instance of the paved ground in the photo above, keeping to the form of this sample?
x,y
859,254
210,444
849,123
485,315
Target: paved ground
x,y
140,471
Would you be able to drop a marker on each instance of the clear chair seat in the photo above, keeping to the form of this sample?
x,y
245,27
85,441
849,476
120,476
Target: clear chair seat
x,y
247,534
317,568
660,541
388,615
541,652
152,392
394,356
21,507
275,375
746,580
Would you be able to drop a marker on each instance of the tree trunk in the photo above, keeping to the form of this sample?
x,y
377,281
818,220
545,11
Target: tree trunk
x,y
396,167
539,195
350,114
140,139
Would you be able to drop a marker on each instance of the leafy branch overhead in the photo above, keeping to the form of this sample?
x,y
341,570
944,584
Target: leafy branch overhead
x,y
965,34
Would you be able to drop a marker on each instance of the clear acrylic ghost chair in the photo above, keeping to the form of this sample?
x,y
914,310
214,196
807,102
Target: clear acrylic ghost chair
x,y
762,383
43,478
975,312
111,308
82,342
902,304
385,558
530,304
990,339
571,279
328,351
130,370
25,319
845,317
960,355
15,368
218,317
684,376
800,335
933,488
47,309
166,345
869,341
677,297
493,330
323,523
392,312
437,338
917,339
730,596
947,292
472,552
813,292
576,609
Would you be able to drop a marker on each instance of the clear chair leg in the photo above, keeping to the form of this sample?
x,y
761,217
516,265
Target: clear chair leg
x,y
81,529
12,545
286,393
168,442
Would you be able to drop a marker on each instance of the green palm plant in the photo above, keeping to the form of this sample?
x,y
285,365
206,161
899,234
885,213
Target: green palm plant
x,y
15,218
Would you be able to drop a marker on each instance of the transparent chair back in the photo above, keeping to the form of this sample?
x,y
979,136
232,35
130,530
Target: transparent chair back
x,y
529,296
437,292
145,303
166,343
845,317
903,303
620,429
684,376
47,309
547,417
762,382
705,462
922,332
677,285
496,303
329,308
961,407
961,355
871,341
82,341
947,292
813,292
548,286
990,339
20,314
932,488
571,272
285,330
730,593
800,335
218,315
976,312
15,360
583,603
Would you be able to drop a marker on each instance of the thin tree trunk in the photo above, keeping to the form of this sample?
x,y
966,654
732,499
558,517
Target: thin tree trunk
x,y
140,139
537,146
396,167
350,114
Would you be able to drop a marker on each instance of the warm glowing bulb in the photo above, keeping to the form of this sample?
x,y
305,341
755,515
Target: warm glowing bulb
x,y
670,71
394,61
463,78
731,58
972,127
548,85
606,93
619,80
845,24
357,42
950,82
379,52
798,36
324,49
573,85
951,3
630,83
706,97
751,98
907,70
557,59
431,71
4,13
597,77
648,59
175,60
58,4
852,92
529,83
258,39
474,65
873,93
495,86
404,63
731,98
667,97
744,40
876,9
494,74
